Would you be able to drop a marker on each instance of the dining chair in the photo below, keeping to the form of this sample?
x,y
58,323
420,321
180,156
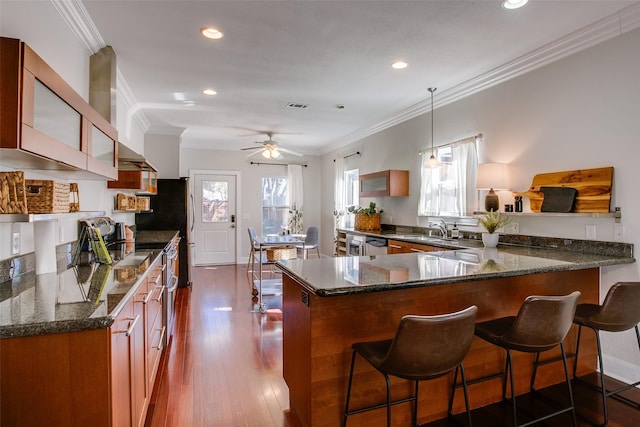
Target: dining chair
x,y
311,241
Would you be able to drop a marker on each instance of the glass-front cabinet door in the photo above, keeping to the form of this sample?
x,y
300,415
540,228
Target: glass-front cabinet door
x,y
102,151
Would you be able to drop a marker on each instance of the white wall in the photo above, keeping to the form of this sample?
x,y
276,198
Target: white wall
x,y
251,184
163,152
580,112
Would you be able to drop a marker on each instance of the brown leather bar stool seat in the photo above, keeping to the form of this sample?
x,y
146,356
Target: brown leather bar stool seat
x,y
424,348
542,323
619,312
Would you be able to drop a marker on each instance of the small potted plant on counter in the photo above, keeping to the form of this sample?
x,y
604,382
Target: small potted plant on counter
x,y
366,218
492,221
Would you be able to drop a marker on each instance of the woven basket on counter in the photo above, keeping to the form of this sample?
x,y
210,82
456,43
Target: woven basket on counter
x,y
74,197
13,199
47,196
277,254
367,222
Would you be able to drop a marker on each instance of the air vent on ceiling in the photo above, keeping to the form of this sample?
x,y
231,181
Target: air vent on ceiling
x,y
296,105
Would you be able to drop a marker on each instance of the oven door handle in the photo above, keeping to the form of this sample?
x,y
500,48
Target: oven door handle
x,y
173,284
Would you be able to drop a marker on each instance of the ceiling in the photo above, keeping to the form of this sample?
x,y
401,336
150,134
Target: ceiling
x,y
321,54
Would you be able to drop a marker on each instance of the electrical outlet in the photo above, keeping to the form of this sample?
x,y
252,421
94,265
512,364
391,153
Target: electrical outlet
x,y
618,233
15,243
515,228
590,232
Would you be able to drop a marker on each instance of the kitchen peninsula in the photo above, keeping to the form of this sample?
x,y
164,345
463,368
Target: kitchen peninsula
x,y
330,303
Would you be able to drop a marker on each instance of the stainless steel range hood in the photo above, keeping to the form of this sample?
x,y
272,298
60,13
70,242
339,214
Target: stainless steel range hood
x,y
102,97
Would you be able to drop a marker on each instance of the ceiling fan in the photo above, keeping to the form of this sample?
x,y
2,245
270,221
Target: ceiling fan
x,y
270,149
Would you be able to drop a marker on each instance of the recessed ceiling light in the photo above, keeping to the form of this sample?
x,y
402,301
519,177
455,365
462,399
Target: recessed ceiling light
x,y
399,65
513,4
211,33
209,92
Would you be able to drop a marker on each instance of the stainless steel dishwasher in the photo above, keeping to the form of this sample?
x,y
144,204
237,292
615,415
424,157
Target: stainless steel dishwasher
x,y
375,246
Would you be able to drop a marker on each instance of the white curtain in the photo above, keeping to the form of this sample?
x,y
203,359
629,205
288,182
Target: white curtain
x,y
450,188
296,197
340,197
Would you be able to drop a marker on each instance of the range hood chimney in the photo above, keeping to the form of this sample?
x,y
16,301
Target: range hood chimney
x,y
102,83
102,97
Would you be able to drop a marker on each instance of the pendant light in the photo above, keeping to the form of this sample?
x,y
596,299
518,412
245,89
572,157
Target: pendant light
x,y
432,162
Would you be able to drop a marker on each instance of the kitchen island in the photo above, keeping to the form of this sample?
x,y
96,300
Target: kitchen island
x,y
330,303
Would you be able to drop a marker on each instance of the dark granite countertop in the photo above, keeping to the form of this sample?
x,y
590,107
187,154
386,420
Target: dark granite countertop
x,y
353,275
80,298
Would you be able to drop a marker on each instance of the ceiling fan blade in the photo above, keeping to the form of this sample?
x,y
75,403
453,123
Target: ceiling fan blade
x,y
289,151
250,148
254,152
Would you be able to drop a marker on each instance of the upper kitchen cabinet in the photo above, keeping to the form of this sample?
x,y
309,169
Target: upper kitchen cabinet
x,y
46,125
385,183
143,179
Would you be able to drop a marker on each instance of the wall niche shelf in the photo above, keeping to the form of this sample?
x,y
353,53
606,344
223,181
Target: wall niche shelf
x,y
9,218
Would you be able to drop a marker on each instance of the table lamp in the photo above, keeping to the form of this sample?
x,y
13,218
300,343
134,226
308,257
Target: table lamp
x,y
492,176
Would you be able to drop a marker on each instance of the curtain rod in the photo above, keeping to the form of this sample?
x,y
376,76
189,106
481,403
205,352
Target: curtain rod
x,y
278,164
477,137
357,153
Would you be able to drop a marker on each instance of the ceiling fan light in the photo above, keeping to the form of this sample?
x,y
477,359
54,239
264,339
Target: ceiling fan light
x,y
266,154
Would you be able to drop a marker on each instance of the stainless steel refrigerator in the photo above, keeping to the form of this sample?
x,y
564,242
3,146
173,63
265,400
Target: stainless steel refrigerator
x,y
172,210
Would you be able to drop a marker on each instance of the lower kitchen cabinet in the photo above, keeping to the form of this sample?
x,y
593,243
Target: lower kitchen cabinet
x,y
399,247
98,377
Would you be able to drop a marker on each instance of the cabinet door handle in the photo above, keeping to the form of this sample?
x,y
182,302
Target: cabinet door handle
x,y
132,326
417,250
395,246
159,346
146,299
160,294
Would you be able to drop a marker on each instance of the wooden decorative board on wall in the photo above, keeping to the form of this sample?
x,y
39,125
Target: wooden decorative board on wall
x,y
593,188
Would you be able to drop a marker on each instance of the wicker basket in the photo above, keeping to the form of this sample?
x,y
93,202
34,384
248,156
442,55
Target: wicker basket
x,y
277,254
74,197
126,202
13,199
47,196
367,222
143,203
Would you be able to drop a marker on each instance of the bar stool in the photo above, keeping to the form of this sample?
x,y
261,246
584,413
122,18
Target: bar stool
x,y
619,312
424,348
542,323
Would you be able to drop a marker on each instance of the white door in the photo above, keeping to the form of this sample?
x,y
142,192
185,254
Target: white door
x,y
214,231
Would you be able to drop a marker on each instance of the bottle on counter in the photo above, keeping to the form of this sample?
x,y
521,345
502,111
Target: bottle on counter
x,y
518,203
455,233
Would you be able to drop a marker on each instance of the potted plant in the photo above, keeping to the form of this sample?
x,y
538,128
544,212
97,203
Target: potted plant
x,y
492,221
366,218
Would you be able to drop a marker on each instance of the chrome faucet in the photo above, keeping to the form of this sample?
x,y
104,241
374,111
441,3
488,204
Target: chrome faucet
x,y
442,226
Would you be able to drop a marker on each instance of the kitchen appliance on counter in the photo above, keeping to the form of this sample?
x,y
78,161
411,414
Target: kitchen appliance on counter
x,y
170,209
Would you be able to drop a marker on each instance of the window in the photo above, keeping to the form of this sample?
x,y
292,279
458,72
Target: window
x,y
275,204
352,193
215,201
449,190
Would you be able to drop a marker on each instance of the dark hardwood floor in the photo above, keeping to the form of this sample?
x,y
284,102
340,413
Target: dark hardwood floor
x,y
224,365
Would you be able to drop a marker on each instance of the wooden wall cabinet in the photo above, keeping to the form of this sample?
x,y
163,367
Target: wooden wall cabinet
x,y
140,181
385,183
46,124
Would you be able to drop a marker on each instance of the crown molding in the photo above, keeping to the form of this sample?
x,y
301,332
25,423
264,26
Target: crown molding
x,y
614,25
77,18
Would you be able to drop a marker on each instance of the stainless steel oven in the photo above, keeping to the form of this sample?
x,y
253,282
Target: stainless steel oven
x,y
171,284
355,245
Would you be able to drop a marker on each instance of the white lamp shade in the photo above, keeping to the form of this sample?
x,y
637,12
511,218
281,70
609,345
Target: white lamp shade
x,y
492,175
